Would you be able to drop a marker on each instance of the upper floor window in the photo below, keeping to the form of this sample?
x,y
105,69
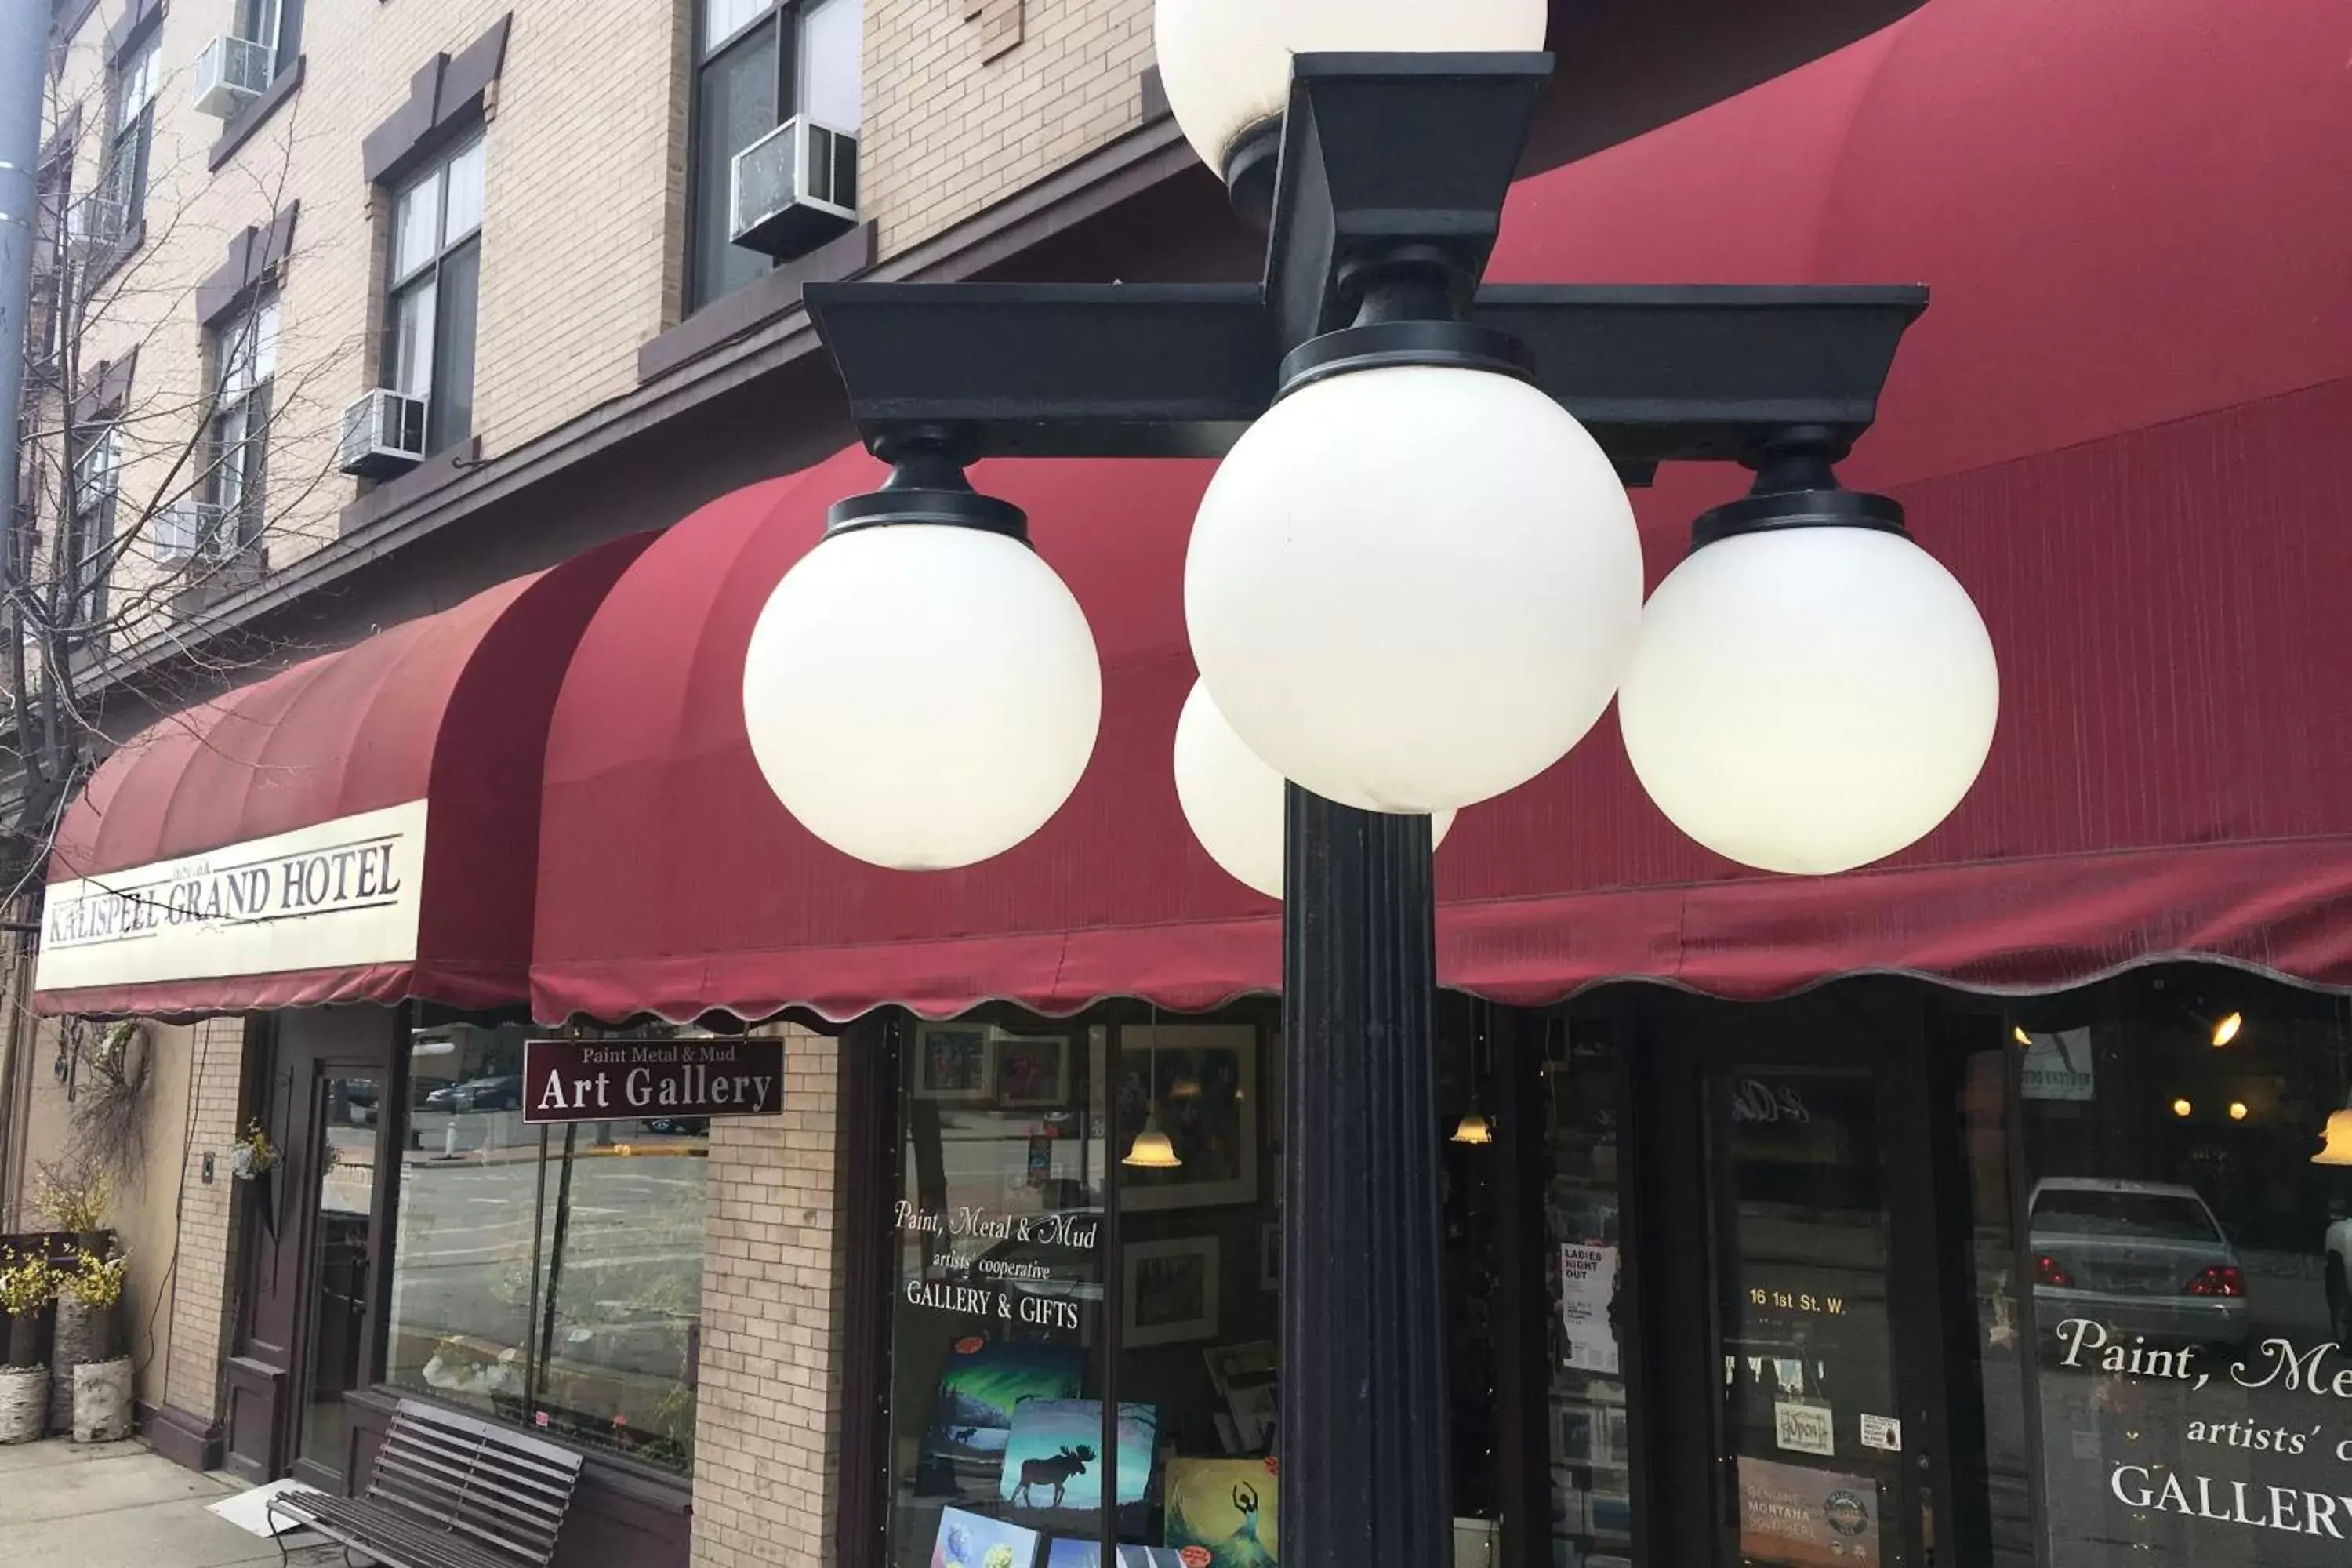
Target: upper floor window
x,y
276,25
245,356
434,281
131,134
759,64
87,545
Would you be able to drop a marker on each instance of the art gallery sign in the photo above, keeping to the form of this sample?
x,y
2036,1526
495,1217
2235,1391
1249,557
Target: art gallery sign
x,y
342,894
614,1079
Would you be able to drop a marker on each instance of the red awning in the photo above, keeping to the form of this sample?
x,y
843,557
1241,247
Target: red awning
x,y
2121,424
360,828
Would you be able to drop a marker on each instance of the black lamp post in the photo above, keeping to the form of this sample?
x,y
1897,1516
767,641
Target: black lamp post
x,y
1386,199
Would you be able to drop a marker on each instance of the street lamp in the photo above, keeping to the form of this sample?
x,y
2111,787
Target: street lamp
x,y
1413,584
1232,801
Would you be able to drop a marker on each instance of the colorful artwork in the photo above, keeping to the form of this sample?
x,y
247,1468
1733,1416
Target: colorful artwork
x,y
1224,1508
1032,1070
1054,1459
953,1062
971,1419
969,1541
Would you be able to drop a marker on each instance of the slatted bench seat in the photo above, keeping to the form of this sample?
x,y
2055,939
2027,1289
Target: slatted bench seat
x,y
448,1491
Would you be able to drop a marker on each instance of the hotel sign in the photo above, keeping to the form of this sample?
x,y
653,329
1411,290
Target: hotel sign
x,y
337,895
622,1080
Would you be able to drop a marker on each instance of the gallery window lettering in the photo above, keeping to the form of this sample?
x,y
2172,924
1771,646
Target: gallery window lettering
x,y
2187,1275
549,1277
758,63
434,272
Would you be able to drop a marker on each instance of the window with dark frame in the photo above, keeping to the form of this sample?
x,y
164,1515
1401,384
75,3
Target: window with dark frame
x,y
758,64
244,354
276,25
87,544
434,279
122,191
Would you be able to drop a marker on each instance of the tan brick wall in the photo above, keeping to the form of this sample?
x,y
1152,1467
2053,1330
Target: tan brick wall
x,y
767,1423
580,259
948,133
204,1293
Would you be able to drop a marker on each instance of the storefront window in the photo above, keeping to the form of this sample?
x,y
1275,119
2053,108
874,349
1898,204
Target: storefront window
x,y
1087,1367
547,1278
1589,1435
2188,1270
1001,1440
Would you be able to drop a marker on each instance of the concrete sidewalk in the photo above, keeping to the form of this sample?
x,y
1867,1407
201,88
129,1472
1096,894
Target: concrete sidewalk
x,y
119,1505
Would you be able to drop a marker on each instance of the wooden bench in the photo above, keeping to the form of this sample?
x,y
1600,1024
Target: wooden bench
x,y
448,1491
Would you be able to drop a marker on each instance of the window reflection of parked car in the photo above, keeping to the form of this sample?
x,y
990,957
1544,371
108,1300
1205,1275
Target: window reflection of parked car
x,y
481,1094
360,1101
2138,1257
685,1126
2339,1281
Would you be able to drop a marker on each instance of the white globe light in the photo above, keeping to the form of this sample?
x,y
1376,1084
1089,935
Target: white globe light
x,y
1413,588
921,696
1225,64
1809,700
1234,800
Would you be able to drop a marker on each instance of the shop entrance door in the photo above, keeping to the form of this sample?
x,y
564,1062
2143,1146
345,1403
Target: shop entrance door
x,y
1805,1262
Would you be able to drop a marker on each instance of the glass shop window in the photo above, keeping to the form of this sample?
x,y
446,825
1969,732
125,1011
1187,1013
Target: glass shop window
x,y
1087,1365
2183,1298
547,1278
1588,1429
999,1326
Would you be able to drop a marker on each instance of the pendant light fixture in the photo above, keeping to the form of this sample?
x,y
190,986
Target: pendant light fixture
x,y
2226,1029
1472,1128
1151,1150
2335,1147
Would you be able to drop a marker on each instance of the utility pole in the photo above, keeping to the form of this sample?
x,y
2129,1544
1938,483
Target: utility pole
x,y
24,51
23,55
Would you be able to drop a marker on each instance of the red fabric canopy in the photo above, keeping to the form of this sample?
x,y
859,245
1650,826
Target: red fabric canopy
x,y
2120,424
450,709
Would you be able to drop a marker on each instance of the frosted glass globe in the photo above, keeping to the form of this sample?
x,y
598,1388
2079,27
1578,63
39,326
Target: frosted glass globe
x,y
1234,800
921,695
1812,699
1225,64
1412,588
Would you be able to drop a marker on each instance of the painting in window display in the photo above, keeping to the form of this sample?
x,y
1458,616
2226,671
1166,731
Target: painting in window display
x,y
547,1278
998,1328
2185,1285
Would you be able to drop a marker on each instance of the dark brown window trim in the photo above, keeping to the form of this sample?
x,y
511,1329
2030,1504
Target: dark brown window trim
x,y
60,144
448,97
757,304
253,256
124,249
105,388
250,118
139,19
72,19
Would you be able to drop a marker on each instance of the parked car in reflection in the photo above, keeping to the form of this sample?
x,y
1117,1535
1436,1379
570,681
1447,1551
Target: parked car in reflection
x,y
684,1126
503,1093
2141,1258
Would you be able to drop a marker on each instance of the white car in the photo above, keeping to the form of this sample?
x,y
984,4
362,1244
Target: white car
x,y
2139,1257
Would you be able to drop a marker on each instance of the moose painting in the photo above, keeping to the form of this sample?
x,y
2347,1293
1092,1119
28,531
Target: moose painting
x,y
1055,1459
1055,1472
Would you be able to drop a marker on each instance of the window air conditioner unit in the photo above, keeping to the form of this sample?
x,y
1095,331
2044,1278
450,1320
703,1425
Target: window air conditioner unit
x,y
795,188
383,433
230,74
93,225
184,527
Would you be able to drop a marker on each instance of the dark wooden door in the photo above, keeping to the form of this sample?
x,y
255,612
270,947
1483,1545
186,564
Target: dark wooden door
x,y
1798,1257
325,1095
